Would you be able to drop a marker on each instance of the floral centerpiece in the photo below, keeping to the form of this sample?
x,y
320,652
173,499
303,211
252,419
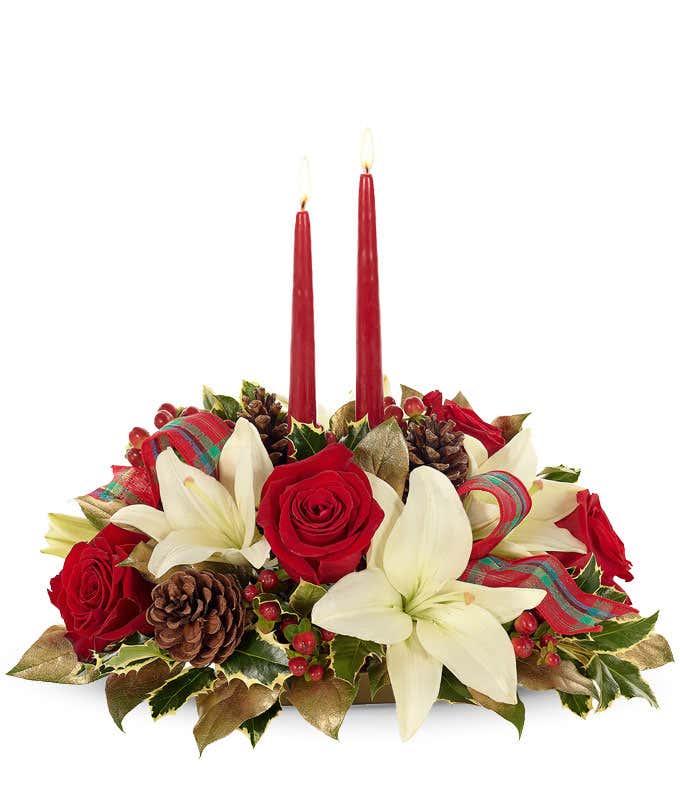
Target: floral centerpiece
x,y
247,561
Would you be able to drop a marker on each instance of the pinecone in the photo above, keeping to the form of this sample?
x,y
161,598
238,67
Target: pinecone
x,y
437,444
268,416
198,616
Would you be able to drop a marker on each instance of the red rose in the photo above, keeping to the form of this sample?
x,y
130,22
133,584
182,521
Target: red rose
x,y
99,601
466,421
589,523
319,515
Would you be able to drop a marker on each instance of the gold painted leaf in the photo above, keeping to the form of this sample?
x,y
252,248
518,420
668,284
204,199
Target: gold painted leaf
x,y
323,703
383,452
97,511
509,425
652,652
52,658
227,707
407,391
340,420
565,678
126,691
462,400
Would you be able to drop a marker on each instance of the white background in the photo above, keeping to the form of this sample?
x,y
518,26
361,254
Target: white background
x,y
527,178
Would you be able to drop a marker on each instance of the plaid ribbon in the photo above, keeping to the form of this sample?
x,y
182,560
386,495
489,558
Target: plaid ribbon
x,y
566,608
129,485
197,439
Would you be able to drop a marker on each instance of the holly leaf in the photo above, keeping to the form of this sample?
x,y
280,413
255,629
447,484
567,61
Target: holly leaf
x,y
407,391
378,677
258,660
383,452
348,655
560,474
125,691
341,418
305,595
512,712
227,707
619,634
509,425
225,407
323,703
580,705
565,678
612,593
133,653
356,431
452,690
255,727
307,439
248,391
615,677
590,577
176,692
652,652
52,658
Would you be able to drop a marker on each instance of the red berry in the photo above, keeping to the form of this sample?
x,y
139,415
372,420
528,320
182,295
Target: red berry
x,y
250,592
546,639
137,436
414,406
389,401
298,666
394,411
190,410
316,672
553,660
305,642
134,457
288,622
170,408
326,635
522,646
526,623
162,418
269,580
270,610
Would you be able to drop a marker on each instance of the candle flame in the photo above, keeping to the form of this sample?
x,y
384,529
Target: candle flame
x,y
304,182
367,150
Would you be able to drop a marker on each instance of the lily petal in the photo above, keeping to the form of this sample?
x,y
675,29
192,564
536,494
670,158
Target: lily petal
x,y
392,507
504,603
245,440
533,537
475,648
257,553
477,454
432,540
415,677
179,548
144,518
364,605
517,457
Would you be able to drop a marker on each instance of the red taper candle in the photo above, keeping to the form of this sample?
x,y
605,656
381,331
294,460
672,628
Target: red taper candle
x,y
369,384
302,398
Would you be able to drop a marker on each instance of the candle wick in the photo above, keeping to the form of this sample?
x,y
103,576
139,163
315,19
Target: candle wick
x,y
303,204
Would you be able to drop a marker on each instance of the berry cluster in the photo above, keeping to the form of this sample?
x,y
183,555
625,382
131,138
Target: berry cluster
x,y
166,413
413,408
524,641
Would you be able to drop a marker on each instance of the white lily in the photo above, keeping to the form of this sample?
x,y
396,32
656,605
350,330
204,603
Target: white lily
x,y
203,517
551,501
409,598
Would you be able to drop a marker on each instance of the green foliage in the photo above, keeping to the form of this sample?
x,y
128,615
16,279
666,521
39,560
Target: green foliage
x,y
348,655
615,677
304,597
248,391
590,577
580,705
307,439
125,691
133,653
176,692
514,713
378,677
52,658
452,690
258,660
617,635
560,474
355,432
255,727
223,406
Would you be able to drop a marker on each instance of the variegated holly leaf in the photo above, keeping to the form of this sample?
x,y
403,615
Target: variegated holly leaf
x,y
407,391
616,635
383,452
259,659
323,703
581,705
356,431
307,439
348,655
248,391
560,474
615,677
255,727
136,651
305,595
341,418
565,677
176,692
589,578
125,691
227,707
509,425
652,652
52,658
225,407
